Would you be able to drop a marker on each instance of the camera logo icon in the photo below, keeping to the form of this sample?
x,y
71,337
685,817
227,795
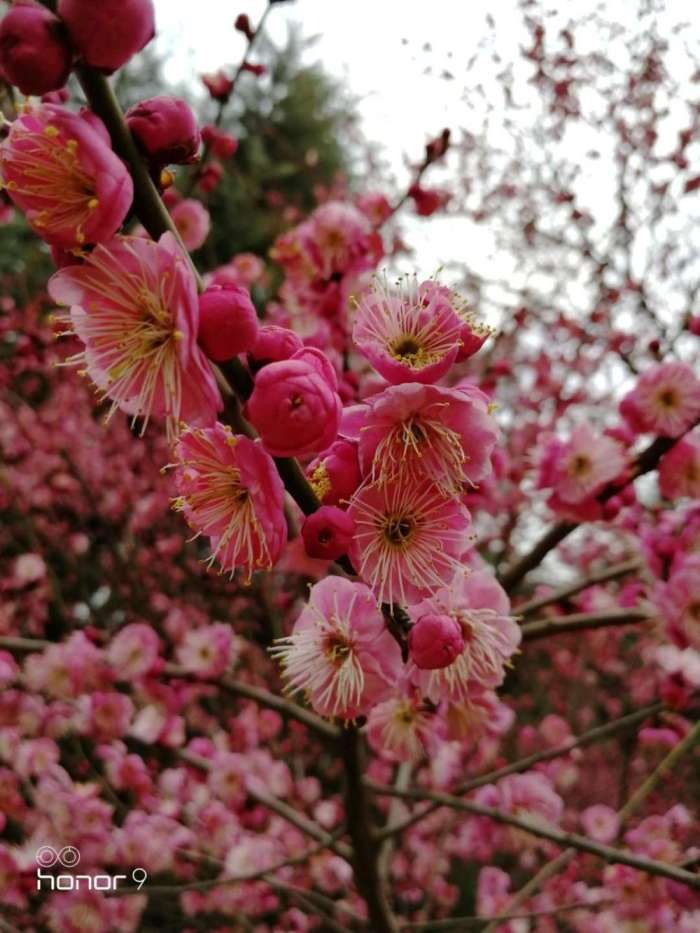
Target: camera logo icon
x,y
47,857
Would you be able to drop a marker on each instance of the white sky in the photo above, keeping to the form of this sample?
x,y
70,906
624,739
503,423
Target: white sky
x,y
400,106
376,48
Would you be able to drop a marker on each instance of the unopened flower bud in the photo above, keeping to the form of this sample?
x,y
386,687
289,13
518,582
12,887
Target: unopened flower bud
x,y
34,51
294,409
228,324
218,85
242,24
435,641
274,344
257,70
210,176
165,129
327,533
106,34
335,475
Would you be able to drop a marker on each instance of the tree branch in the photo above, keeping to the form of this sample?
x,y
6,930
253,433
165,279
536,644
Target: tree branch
x,y
359,823
303,823
524,764
557,836
543,628
564,592
285,707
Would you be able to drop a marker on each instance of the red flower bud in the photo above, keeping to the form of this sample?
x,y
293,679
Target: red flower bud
x,y
257,70
242,24
228,324
165,129
106,34
435,641
34,52
327,533
274,344
218,85
210,176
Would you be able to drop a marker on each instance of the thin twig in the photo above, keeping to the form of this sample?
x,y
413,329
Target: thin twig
x,y
564,592
559,837
574,622
596,734
558,864
285,707
303,823
646,461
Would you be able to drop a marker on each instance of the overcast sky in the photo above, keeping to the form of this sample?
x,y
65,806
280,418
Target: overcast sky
x,y
376,47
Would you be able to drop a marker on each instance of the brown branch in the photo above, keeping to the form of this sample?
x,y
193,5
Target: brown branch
x,y
596,734
303,823
287,708
574,622
478,923
208,883
154,216
557,836
564,592
359,823
23,645
556,865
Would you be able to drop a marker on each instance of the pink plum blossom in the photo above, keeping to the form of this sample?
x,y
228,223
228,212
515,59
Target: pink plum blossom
x,y
490,637
230,491
133,303
59,169
410,333
409,539
411,431
403,727
133,651
340,652
679,469
580,468
335,474
665,401
193,222
206,651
